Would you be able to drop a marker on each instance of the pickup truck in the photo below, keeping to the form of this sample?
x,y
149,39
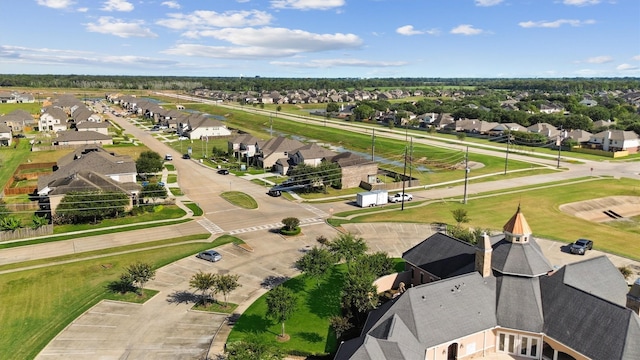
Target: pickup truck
x,y
399,197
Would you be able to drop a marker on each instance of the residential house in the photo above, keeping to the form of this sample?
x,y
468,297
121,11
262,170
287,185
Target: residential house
x,y
550,108
203,127
53,119
588,102
89,167
5,135
310,154
243,146
17,120
616,140
99,127
274,149
501,297
443,120
598,124
70,137
545,129
579,136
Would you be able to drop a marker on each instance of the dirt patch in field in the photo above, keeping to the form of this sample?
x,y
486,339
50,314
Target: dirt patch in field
x,y
604,209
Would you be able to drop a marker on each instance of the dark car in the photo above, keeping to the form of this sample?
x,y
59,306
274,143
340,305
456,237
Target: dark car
x,y
223,172
581,246
209,255
274,193
186,156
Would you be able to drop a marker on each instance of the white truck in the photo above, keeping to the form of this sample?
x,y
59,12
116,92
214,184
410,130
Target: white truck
x,y
372,198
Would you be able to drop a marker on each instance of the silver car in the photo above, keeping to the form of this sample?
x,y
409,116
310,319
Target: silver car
x,y
210,255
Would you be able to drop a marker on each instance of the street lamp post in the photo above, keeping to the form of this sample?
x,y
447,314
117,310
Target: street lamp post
x,y
466,175
506,155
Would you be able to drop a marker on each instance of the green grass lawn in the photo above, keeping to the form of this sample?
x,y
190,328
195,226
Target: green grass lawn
x,y
541,207
308,326
162,212
240,199
37,304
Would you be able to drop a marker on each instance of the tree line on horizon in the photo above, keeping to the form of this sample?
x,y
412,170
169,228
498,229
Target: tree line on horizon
x,y
257,83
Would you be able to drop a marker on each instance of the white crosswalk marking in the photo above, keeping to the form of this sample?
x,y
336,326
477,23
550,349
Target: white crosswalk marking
x,y
307,221
210,226
314,210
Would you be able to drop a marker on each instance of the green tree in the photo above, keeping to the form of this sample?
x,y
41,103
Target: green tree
x,y
203,282
290,223
340,325
378,264
86,206
315,263
149,162
281,303
153,191
253,348
359,293
226,283
140,273
461,216
332,107
347,247
363,111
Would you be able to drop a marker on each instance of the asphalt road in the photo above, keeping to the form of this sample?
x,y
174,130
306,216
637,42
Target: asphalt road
x,y
166,328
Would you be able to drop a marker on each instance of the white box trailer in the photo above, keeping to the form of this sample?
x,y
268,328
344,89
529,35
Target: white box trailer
x,y
372,198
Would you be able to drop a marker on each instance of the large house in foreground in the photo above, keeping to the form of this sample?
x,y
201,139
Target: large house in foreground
x,y
502,296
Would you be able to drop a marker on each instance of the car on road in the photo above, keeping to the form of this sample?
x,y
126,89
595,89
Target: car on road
x,y
223,172
186,156
581,246
168,157
274,192
209,255
399,197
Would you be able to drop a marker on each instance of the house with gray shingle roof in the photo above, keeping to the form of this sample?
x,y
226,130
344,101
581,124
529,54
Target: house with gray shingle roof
x,y
502,296
5,135
616,140
99,127
53,119
274,149
202,127
71,137
91,168
17,120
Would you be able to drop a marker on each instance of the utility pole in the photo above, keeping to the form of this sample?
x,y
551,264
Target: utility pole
x,y
559,144
373,144
270,126
466,175
506,156
404,176
410,160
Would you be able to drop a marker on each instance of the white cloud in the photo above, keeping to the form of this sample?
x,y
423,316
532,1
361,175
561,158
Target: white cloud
x,y
626,67
56,4
171,4
307,4
487,2
83,9
600,59
117,5
109,25
637,58
408,30
555,23
466,29
203,19
266,43
74,57
327,63
580,2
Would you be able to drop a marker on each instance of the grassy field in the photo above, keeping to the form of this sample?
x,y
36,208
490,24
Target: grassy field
x,y
240,199
308,326
540,206
37,304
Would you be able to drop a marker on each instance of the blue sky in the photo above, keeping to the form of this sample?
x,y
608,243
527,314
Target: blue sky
x,y
322,38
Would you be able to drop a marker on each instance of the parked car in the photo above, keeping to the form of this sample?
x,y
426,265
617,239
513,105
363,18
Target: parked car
x,y
274,192
399,197
168,157
209,255
186,156
581,246
183,138
223,172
